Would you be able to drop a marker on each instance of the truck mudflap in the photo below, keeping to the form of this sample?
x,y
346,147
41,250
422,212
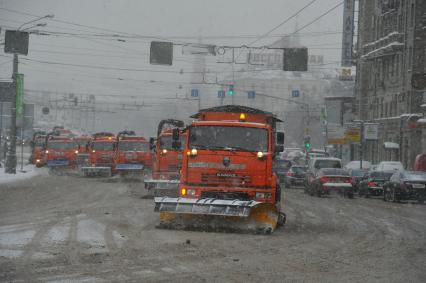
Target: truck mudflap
x,y
162,188
96,171
217,215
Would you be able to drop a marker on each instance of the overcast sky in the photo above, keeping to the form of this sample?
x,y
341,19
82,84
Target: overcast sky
x,y
220,22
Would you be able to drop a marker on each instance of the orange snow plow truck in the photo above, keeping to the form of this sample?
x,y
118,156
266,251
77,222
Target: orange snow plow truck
x,y
227,182
132,155
167,159
101,155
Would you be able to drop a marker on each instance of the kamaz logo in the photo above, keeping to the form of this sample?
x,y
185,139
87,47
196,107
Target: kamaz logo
x,y
228,175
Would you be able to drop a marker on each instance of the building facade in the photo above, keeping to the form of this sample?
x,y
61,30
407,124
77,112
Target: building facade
x,y
391,54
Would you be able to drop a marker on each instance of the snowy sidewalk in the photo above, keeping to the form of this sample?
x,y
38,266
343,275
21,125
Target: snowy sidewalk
x,y
29,172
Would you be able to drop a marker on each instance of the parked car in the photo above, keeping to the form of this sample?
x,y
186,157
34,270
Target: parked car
x,y
420,162
316,164
331,179
389,166
280,167
356,165
406,185
372,184
356,176
295,176
289,150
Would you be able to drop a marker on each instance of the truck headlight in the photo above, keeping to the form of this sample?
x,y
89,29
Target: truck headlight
x,y
260,155
194,151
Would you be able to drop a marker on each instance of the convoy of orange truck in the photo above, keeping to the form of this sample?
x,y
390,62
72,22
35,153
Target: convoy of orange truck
x,y
215,174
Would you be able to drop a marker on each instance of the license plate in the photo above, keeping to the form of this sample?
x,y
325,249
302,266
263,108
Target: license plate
x,y
129,167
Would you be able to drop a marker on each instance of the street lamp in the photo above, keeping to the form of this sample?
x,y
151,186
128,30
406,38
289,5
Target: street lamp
x,y
33,26
50,16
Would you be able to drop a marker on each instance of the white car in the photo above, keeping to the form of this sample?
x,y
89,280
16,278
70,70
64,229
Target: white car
x,y
390,166
356,165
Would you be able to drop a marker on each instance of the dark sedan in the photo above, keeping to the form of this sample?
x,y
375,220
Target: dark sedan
x,y
372,184
406,185
357,175
295,176
280,167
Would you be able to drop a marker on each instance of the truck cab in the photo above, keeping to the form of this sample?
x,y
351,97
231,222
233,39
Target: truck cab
x,y
167,159
61,152
38,147
101,155
132,154
229,155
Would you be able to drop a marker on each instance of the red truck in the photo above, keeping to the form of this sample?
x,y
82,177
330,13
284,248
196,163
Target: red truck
x,y
61,152
132,154
83,143
38,147
101,155
227,180
167,160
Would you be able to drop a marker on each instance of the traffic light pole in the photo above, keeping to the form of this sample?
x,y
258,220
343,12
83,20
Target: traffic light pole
x,y
11,154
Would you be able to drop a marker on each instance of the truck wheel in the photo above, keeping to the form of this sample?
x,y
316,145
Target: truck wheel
x,y
318,191
282,217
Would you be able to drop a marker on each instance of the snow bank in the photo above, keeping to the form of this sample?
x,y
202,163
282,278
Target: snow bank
x,y
29,172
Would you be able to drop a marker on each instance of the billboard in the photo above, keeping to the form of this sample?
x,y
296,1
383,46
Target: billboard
x,y
348,32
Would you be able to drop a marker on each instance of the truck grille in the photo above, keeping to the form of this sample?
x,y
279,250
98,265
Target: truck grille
x,y
213,178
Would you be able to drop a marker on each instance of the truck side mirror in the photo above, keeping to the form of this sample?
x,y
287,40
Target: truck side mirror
x,y
279,148
280,138
151,144
175,134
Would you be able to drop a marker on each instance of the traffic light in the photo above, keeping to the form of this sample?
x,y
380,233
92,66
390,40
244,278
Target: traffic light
x,y
231,90
307,141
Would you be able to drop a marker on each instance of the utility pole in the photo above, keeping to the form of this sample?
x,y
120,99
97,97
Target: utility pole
x,y
11,154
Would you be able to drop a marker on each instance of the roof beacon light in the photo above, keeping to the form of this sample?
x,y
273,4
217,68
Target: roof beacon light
x,y
242,117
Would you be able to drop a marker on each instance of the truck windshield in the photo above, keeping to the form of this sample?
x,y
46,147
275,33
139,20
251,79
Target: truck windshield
x,y
228,137
103,145
82,143
40,142
61,145
166,142
133,146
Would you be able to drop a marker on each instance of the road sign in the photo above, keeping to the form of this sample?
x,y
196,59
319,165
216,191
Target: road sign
x,y
45,110
16,42
161,53
251,94
221,94
194,92
295,93
371,131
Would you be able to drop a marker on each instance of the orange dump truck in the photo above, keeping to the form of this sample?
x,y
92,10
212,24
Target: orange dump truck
x,y
167,160
101,155
227,180
132,154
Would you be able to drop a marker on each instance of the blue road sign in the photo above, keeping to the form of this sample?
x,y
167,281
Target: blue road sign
x,y
221,94
295,93
251,94
194,92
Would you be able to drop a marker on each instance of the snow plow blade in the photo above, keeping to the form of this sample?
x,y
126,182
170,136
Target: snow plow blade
x,y
217,215
96,171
